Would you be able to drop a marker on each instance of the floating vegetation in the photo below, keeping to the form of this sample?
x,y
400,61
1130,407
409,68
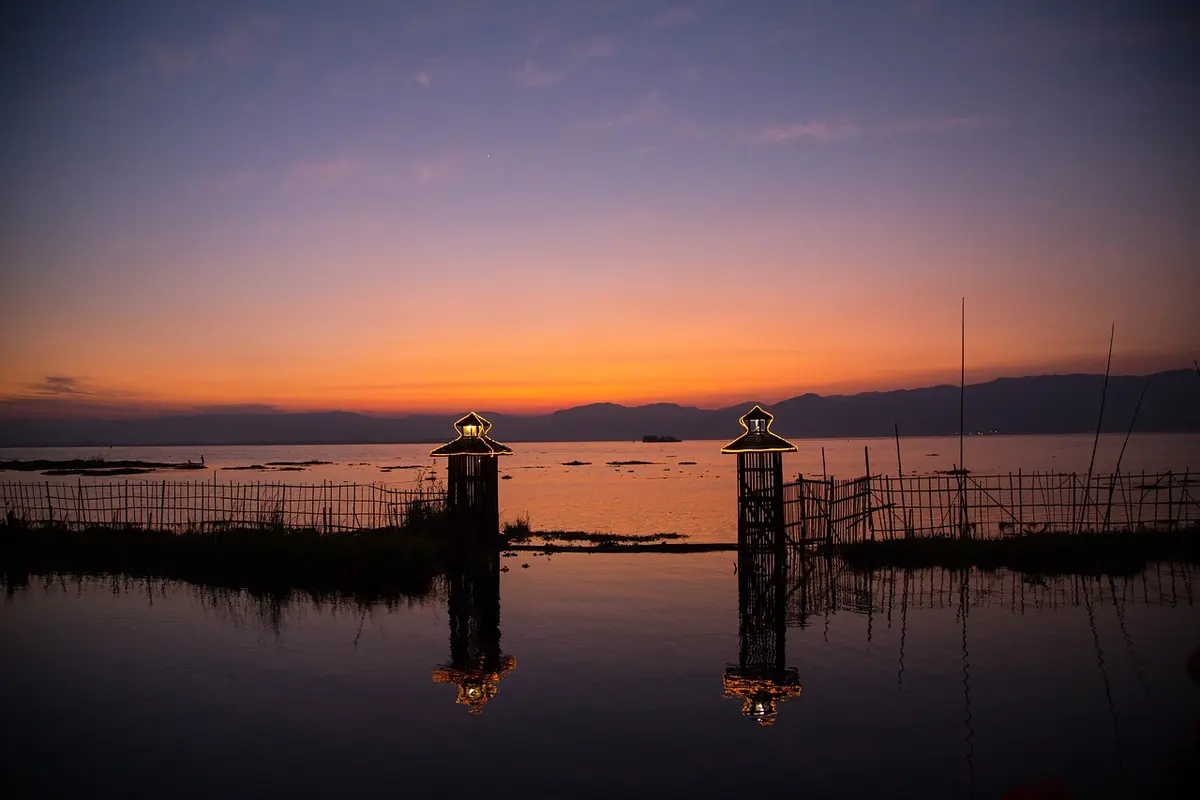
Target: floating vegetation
x,y
577,463
312,463
634,463
687,463
518,529
503,477
84,466
266,468
520,532
116,471
396,562
1115,553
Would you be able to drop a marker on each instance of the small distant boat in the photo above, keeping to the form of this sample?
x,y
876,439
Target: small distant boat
x,y
650,438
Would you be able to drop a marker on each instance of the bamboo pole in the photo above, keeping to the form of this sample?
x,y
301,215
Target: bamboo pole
x,y
1099,423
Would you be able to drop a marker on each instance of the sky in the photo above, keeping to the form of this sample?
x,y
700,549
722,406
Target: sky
x,y
523,206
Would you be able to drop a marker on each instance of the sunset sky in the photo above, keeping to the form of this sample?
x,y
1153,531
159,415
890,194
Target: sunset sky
x,y
524,206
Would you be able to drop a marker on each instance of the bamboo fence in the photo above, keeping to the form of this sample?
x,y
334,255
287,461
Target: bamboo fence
x,y
194,506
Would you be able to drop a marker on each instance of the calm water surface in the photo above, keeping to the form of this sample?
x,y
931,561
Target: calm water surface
x,y
698,499
912,686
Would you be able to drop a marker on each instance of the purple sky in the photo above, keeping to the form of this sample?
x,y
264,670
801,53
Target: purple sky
x,y
412,206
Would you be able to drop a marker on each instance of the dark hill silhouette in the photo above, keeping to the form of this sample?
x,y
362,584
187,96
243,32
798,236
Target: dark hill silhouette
x,y
1041,404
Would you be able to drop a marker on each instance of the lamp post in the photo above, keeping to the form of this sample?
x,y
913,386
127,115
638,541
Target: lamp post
x,y
472,476
761,678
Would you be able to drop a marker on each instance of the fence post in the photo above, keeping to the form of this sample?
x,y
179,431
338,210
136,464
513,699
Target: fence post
x,y
870,514
1170,492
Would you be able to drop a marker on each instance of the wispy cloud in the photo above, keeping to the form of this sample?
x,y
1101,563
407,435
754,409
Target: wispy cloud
x,y
815,131
932,125
541,73
825,131
322,174
422,78
59,385
672,18
651,114
171,61
235,45
436,171
917,8
227,184
594,49
533,75
784,36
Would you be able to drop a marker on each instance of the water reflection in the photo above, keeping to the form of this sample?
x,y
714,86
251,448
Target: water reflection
x,y
761,679
620,658
473,600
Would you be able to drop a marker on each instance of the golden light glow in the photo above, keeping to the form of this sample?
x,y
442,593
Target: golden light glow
x,y
475,686
472,439
760,696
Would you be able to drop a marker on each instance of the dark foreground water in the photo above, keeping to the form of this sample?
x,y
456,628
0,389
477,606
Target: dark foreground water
x,y
913,685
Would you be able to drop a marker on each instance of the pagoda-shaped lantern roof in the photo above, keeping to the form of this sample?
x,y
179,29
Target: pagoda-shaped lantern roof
x,y
472,439
758,437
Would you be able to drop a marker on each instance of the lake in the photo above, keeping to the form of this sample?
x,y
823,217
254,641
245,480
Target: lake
x,y
909,685
686,488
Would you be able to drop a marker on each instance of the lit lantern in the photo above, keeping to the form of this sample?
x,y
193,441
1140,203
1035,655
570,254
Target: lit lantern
x,y
758,437
472,440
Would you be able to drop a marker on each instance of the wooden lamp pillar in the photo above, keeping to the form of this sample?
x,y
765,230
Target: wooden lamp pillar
x,y
472,477
761,678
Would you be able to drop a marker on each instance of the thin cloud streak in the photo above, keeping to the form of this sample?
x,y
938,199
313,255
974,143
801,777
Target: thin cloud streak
x,y
825,131
436,171
323,174
672,18
534,76
595,49
235,46
55,385
816,131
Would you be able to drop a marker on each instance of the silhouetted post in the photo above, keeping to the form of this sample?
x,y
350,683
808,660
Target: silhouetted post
x,y
761,678
476,664
759,476
472,477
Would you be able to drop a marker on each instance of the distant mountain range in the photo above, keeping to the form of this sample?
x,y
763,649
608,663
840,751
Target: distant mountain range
x,y
1032,405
